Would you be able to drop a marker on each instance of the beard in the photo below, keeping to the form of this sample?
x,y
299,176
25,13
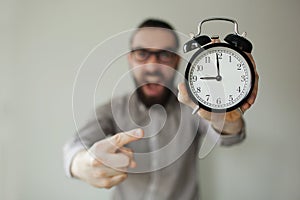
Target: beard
x,y
149,101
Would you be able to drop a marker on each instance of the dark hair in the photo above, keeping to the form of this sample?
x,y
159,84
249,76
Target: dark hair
x,y
157,23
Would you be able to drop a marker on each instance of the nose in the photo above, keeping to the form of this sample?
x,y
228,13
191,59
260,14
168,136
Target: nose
x,y
153,58
152,63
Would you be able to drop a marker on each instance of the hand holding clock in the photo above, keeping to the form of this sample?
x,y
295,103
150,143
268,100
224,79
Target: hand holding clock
x,y
233,119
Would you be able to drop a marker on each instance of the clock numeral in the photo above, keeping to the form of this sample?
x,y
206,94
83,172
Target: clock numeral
x,y
194,78
207,59
230,59
230,98
243,78
218,101
239,66
199,68
198,89
239,89
219,55
207,97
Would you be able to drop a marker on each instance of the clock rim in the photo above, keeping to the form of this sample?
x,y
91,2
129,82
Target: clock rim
x,y
205,48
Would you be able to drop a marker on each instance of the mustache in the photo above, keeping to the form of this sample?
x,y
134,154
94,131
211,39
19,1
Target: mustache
x,y
157,74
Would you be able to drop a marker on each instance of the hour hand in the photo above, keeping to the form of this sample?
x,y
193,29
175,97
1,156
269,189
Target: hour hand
x,y
209,78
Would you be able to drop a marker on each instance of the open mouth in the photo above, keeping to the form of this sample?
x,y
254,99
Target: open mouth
x,y
153,89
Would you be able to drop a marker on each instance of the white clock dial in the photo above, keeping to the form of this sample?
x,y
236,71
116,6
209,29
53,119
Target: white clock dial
x,y
219,78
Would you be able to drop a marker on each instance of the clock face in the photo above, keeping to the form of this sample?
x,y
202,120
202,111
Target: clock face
x,y
219,77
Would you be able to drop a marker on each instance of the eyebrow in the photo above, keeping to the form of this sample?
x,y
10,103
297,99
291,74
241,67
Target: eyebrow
x,y
172,49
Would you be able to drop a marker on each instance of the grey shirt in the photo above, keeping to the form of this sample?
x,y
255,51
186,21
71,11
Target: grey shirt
x,y
167,155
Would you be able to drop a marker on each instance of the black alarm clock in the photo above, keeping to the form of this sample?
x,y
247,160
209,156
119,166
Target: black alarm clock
x,y
219,76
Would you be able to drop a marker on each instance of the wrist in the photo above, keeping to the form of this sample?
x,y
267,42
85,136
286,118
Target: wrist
x,y
229,127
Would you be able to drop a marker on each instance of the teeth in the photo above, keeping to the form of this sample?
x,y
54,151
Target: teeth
x,y
153,79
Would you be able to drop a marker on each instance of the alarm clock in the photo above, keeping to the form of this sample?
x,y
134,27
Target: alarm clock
x,y
219,77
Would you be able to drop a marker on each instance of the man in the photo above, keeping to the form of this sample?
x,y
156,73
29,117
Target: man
x,y
159,160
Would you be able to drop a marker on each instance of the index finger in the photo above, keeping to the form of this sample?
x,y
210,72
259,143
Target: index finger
x,y
120,139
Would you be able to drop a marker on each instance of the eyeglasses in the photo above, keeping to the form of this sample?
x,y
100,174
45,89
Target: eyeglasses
x,y
163,56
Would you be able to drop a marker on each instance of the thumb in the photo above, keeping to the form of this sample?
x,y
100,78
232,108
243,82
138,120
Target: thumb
x,y
183,96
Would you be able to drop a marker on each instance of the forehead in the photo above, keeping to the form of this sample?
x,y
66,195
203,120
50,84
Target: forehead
x,y
156,38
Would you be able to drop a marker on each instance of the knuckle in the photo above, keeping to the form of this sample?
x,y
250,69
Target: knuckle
x,y
126,160
107,183
125,176
127,149
130,154
100,174
117,139
95,162
97,185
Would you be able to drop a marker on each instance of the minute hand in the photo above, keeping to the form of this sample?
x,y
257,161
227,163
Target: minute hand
x,y
218,65
219,77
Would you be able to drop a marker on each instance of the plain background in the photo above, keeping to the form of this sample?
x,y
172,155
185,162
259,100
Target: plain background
x,y
42,45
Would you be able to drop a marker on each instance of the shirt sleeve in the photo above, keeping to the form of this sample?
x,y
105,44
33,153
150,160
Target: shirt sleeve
x,y
96,129
228,140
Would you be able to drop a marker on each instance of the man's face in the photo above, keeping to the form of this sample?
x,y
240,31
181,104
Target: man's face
x,y
152,62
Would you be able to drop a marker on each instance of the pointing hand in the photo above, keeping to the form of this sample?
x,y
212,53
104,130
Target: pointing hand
x,y
104,165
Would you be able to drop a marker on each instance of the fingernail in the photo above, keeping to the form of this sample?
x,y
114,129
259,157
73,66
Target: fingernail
x,y
138,133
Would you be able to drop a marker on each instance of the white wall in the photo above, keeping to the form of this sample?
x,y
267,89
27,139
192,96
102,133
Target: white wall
x,y
42,44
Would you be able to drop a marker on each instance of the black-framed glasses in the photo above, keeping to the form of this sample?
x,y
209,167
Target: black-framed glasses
x,y
143,54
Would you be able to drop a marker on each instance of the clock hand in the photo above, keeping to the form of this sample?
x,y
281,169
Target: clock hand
x,y
218,65
209,78
219,77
